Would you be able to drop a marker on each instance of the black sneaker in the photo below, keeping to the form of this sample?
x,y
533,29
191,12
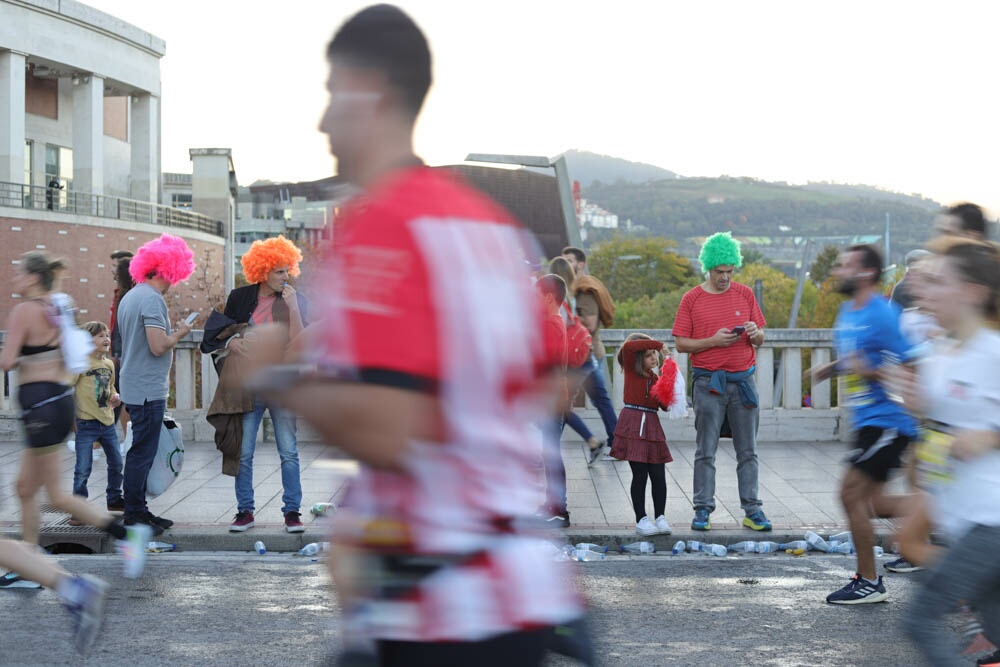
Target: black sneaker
x,y
131,520
859,591
14,580
154,520
992,660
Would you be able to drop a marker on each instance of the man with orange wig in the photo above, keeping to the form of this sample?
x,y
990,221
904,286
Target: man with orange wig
x,y
268,297
147,354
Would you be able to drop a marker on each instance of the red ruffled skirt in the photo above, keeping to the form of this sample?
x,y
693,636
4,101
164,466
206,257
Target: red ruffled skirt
x,y
640,440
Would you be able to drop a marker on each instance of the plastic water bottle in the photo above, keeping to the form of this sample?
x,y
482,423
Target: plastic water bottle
x,y
159,547
714,549
768,547
842,548
313,548
321,509
259,547
840,537
879,551
587,555
816,542
596,548
694,546
747,547
797,544
639,548
679,547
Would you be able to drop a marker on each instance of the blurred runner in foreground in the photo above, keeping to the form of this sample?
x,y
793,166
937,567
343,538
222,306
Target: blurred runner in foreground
x,y
428,366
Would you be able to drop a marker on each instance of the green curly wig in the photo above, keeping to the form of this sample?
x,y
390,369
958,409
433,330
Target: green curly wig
x,y
720,249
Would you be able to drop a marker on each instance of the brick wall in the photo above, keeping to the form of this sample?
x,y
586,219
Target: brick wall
x,y
89,281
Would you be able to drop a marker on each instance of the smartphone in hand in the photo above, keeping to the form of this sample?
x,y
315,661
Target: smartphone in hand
x,y
739,331
189,320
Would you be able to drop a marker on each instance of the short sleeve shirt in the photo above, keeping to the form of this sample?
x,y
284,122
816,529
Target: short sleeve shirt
x,y
871,331
144,376
701,314
428,291
93,392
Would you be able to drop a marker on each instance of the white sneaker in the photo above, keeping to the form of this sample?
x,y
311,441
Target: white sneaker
x,y
646,527
133,549
662,525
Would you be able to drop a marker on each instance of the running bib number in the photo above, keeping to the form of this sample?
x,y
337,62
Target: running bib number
x,y
934,462
858,390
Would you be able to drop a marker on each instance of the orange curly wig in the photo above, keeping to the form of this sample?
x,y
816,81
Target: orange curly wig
x,y
267,255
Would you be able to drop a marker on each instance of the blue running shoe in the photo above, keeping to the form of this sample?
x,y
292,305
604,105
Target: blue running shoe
x,y
757,521
85,604
859,591
701,520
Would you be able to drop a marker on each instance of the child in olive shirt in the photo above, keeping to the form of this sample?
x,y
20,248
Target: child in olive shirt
x,y
95,418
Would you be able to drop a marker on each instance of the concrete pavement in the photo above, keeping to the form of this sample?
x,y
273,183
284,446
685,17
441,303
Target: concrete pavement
x,y
798,485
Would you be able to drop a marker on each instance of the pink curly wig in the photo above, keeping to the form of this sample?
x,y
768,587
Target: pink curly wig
x,y
168,257
267,255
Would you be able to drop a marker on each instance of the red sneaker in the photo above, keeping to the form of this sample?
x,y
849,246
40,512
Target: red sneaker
x,y
293,524
242,521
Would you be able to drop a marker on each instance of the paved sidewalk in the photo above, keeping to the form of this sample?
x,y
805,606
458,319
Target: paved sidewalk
x,y
798,485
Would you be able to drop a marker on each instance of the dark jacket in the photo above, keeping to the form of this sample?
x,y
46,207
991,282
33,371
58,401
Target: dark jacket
x,y
239,307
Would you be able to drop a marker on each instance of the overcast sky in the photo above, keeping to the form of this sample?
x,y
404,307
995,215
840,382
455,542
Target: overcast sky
x,y
900,95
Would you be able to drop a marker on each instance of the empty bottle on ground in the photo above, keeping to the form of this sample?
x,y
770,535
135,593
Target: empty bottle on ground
x,y
679,547
639,548
747,547
816,542
694,546
314,548
842,548
714,549
797,544
768,547
596,548
259,547
587,555
321,509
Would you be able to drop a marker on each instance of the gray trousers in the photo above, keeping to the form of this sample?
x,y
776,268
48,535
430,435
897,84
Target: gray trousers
x,y
970,572
710,410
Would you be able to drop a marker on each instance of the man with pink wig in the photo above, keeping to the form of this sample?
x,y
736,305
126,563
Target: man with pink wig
x,y
147,344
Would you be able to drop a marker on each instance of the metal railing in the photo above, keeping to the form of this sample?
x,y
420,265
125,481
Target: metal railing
x,y
37,197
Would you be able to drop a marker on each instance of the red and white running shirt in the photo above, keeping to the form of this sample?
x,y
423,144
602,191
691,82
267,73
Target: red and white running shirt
x,y
430,291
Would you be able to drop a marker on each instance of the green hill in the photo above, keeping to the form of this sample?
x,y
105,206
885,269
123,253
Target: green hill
x,y
776,216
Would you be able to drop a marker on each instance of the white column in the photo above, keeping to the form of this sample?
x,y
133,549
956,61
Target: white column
x,y
88,135
12,117
144,130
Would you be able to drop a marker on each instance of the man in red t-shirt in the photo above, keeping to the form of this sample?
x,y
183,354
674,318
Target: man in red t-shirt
x,y
417,374
720,325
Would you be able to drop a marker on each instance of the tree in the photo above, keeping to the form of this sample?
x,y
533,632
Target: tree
x,y
828,303
754,256
636,267
822,267
779,293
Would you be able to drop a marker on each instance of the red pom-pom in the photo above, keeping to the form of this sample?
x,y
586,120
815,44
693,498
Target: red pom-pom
x,y
663,390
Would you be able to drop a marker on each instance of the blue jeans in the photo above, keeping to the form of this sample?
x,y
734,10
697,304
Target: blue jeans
x,y
597,390
573,420
89,431
555,470
147,422
288,451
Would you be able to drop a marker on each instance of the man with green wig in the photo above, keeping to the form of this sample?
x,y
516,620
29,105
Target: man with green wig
x,y
720,324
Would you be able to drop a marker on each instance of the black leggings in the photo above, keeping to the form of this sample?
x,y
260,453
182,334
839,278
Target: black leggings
x,y
48,413
657,473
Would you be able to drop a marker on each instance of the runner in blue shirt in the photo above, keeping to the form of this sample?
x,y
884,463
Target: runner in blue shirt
x,y
867,337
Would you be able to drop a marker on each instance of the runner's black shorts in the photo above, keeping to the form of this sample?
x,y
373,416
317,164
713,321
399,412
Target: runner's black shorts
x,y
878,450
48,412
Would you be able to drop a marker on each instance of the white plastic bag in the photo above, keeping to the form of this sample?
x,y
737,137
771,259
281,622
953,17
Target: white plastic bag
x,y
76,343
168,461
